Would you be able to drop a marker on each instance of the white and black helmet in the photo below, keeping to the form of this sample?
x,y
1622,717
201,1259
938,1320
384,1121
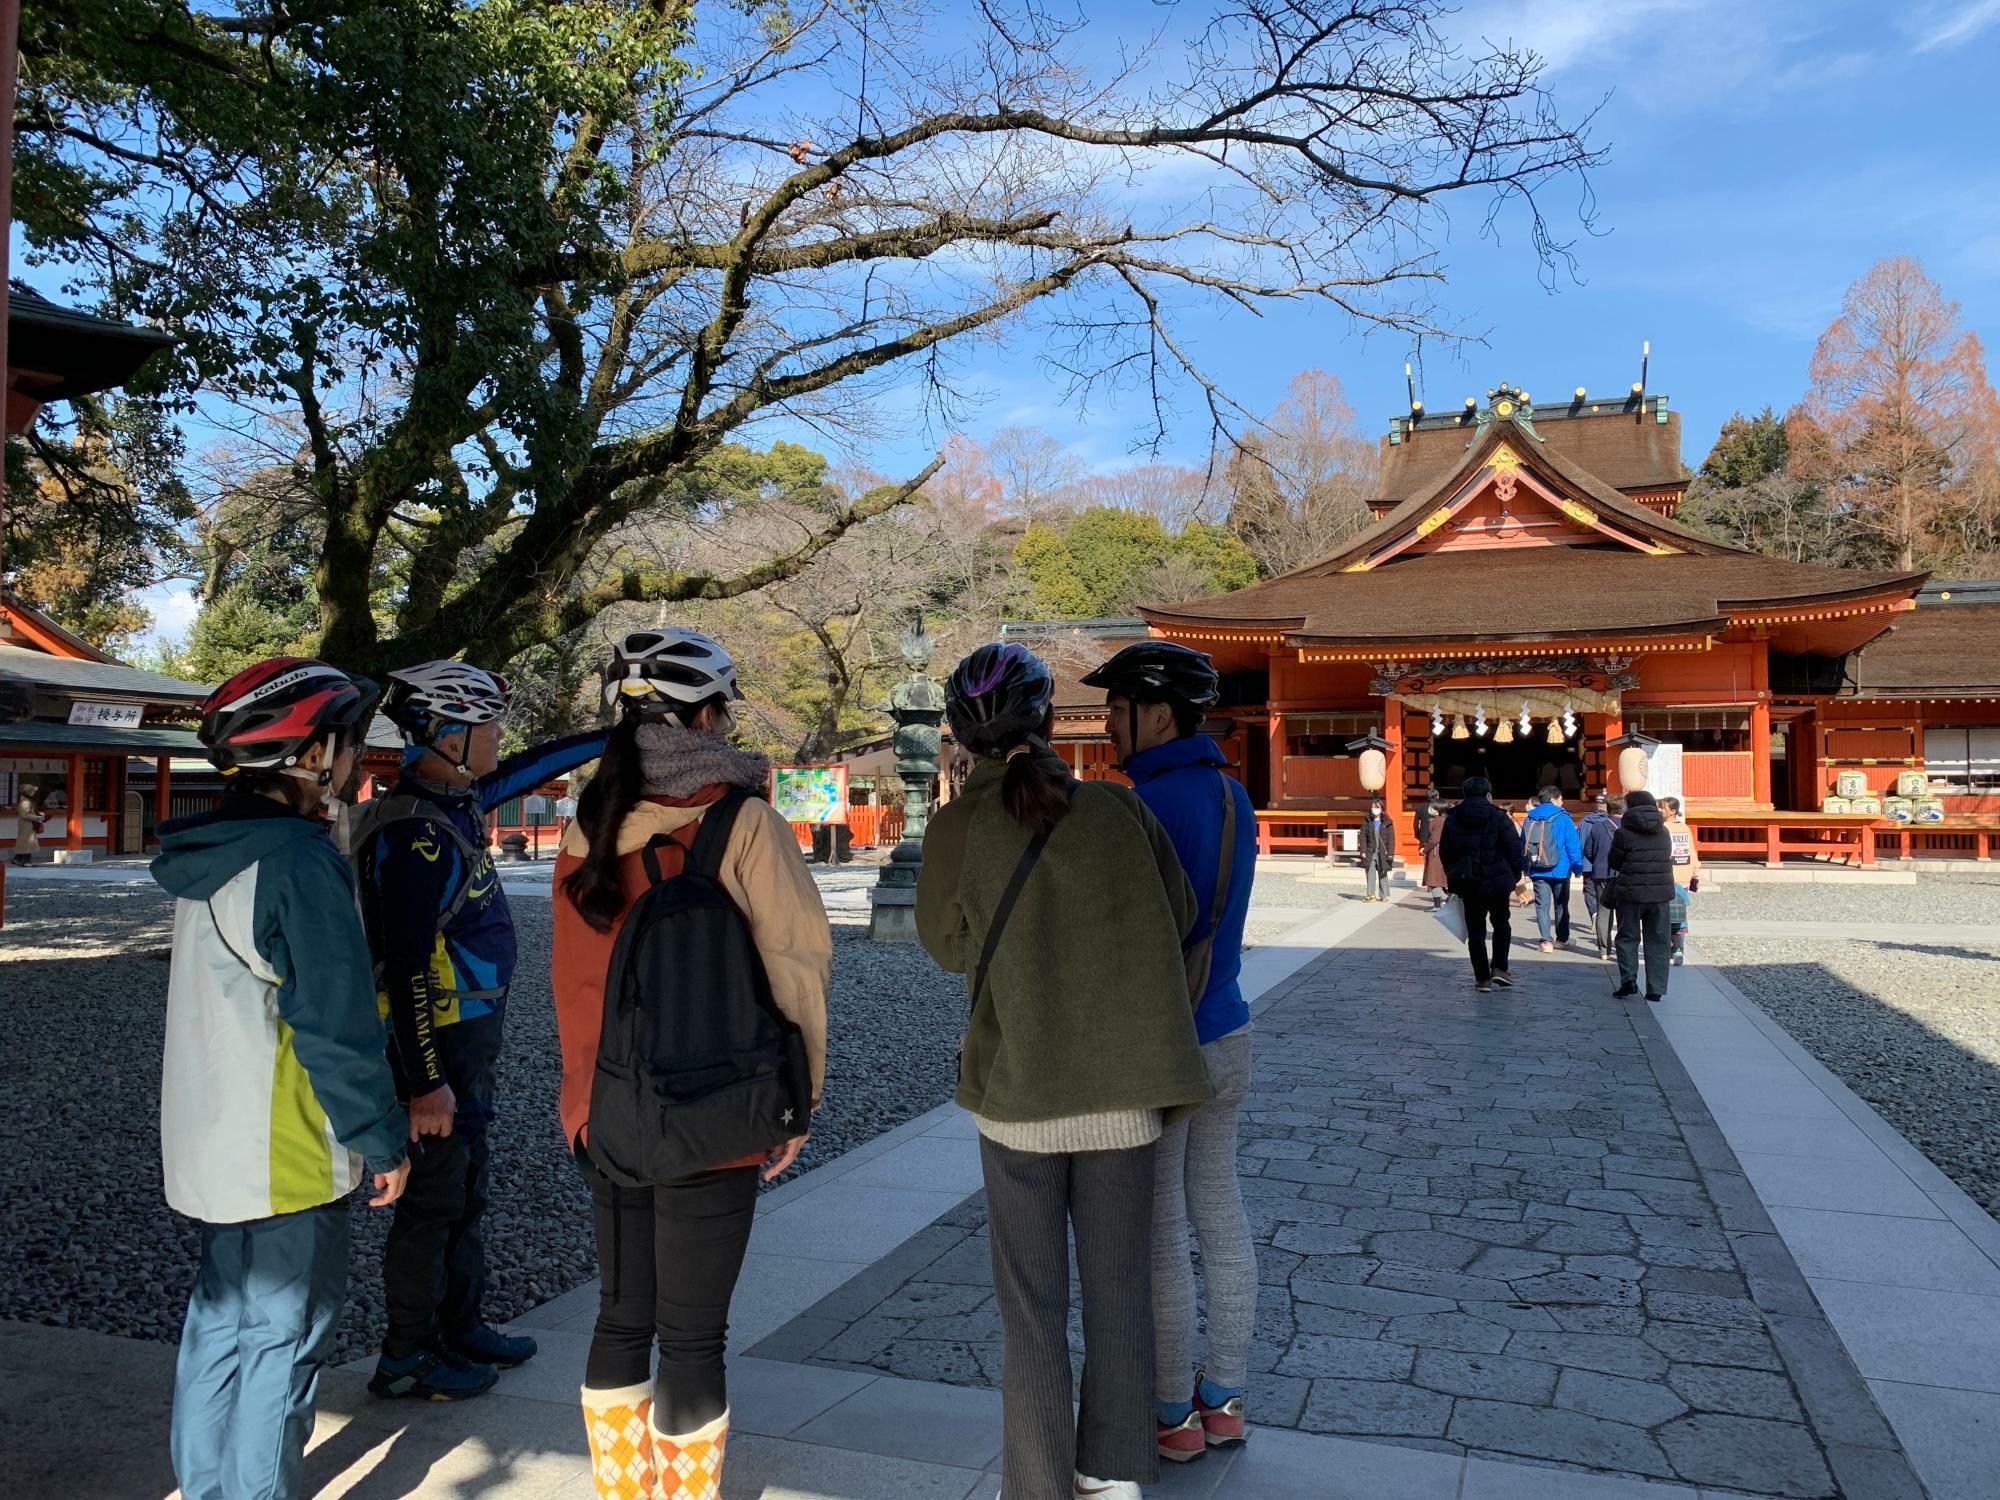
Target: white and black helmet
x,y
436,697
667,669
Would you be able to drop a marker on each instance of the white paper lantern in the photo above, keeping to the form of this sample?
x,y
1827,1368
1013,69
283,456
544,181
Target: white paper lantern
x,y
1632,768
1374,770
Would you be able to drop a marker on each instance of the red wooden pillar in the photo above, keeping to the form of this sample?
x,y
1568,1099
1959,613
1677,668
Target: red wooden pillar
x,y
1614,726
1277,757
163,789
1760,754
1392,781
73,828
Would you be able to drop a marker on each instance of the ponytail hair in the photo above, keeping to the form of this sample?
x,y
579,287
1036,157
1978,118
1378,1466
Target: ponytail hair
x,y
1036,797
596,888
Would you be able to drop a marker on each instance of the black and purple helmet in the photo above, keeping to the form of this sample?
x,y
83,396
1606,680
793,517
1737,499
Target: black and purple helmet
x,y
998,696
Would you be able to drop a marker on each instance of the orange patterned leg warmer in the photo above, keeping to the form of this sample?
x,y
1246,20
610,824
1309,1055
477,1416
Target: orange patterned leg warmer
x,y
690,1466
620,1427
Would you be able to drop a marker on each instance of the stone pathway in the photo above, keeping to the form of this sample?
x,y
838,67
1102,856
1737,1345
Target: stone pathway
x,y
1494,1225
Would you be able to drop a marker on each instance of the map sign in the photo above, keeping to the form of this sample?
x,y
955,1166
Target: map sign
x,y
810,794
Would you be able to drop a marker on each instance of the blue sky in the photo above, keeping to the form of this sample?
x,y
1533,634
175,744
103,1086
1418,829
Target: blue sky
x,y
1763,154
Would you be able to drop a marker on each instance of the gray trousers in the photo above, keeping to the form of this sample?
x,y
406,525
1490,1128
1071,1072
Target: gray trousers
x,y
1195,1184
1647,920
1601,914
1378,878
1031,1202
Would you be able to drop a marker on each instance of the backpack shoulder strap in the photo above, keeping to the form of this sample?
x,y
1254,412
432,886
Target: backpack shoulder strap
x,y
1224,868
711,842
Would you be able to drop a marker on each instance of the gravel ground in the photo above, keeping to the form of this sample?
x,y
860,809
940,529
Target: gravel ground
x,y
1953,899
1913,1027
85,1240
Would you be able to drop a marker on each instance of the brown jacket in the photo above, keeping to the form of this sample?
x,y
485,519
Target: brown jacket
x,y
765,877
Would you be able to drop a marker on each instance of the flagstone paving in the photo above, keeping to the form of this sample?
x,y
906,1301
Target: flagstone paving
x,y
1501,1225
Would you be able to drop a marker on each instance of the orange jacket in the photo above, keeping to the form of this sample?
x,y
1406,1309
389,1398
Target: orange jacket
x,y
765,877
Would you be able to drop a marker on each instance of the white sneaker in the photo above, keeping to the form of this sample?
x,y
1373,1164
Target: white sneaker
x,y
1106,1489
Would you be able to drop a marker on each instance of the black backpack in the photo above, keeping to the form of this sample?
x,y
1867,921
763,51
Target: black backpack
x,y
696,1065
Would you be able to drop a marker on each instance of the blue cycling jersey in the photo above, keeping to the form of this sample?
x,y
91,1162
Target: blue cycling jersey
x,y
438,970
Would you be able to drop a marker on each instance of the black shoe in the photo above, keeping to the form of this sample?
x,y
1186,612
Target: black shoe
x,y
1625,992
1484,986
1502,978
1656,999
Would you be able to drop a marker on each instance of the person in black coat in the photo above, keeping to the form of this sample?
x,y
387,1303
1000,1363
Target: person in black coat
x,y
1481,849
1378,851
1642,857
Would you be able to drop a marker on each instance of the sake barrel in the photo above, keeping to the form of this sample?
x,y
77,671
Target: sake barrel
x,y
1902,809
1913,784
1836,805
1930,809
1868,804
1850,784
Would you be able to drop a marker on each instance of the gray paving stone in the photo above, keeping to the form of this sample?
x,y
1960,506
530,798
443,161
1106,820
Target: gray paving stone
x,y
1319,1239
1507,1265
1740,1392
1425,1247
1610,1353
1276,1400
1623,1267
1367,1299
1640,1403
1550,1432
1441,1283
1348,1269
1691,1307
1375,1408
1512,1314
1584,1239
1310,1317
1315,1355
1493,1377
1581,1318
1451,1330
1769,1458
1568,1286
1695,1344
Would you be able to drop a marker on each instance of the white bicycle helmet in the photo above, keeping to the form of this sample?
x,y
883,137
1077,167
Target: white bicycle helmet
x,y
667,669
436,697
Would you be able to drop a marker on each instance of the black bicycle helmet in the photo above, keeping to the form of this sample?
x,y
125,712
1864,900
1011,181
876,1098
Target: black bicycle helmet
x,y
268,716
998,696
1160,672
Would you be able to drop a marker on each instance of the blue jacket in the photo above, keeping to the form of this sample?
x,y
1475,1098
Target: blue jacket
x,y
1568,845
1178,782
1596,833
437,973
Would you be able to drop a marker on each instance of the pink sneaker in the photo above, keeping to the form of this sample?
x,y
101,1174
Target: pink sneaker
x,y
1222,1426
1183,1443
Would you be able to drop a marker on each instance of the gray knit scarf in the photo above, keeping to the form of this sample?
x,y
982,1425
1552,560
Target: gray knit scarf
x,y
677,761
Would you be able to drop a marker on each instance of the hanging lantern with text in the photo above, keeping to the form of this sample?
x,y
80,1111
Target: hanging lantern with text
x,y
1374,761
1633,766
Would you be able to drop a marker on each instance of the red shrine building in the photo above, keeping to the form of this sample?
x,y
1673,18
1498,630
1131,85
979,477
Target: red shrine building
x,y
1525,607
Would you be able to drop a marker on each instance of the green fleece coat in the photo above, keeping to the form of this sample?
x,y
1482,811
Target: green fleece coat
x,y
1086,1005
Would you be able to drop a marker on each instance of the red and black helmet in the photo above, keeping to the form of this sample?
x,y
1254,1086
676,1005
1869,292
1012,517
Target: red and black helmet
x,y
997,697
266,717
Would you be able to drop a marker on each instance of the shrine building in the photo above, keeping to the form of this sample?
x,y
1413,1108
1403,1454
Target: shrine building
x,y
1525,606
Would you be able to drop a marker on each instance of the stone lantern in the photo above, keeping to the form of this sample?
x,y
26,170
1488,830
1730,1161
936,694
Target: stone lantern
x,y
916,705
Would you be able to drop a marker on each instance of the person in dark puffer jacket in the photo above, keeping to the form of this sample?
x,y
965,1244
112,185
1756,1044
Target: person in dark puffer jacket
x,y
1482,855
1642,857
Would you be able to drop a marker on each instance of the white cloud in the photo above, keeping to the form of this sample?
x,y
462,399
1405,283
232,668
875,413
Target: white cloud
x,y
1961,25
174,607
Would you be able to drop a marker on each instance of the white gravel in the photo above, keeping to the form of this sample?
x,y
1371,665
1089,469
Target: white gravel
x,y
1911,1025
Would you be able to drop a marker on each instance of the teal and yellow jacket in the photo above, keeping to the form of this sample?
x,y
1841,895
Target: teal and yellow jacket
x,y
274,1094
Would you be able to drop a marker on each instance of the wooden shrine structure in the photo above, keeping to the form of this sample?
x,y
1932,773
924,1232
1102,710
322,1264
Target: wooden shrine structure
x,y
1526,602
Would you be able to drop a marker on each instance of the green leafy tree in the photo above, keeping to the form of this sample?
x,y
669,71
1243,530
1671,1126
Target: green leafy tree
x,y
509,272
1748,493
1110,560
95,508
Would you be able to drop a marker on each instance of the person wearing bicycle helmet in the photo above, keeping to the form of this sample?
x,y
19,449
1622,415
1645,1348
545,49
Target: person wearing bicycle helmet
x,y
1067,907
1157,694
669,1253
443,940
275,1098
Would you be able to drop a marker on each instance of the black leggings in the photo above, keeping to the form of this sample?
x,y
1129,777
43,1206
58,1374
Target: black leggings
x,y
669,1257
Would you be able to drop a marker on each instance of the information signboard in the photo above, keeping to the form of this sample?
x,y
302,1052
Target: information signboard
x,y
810,794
